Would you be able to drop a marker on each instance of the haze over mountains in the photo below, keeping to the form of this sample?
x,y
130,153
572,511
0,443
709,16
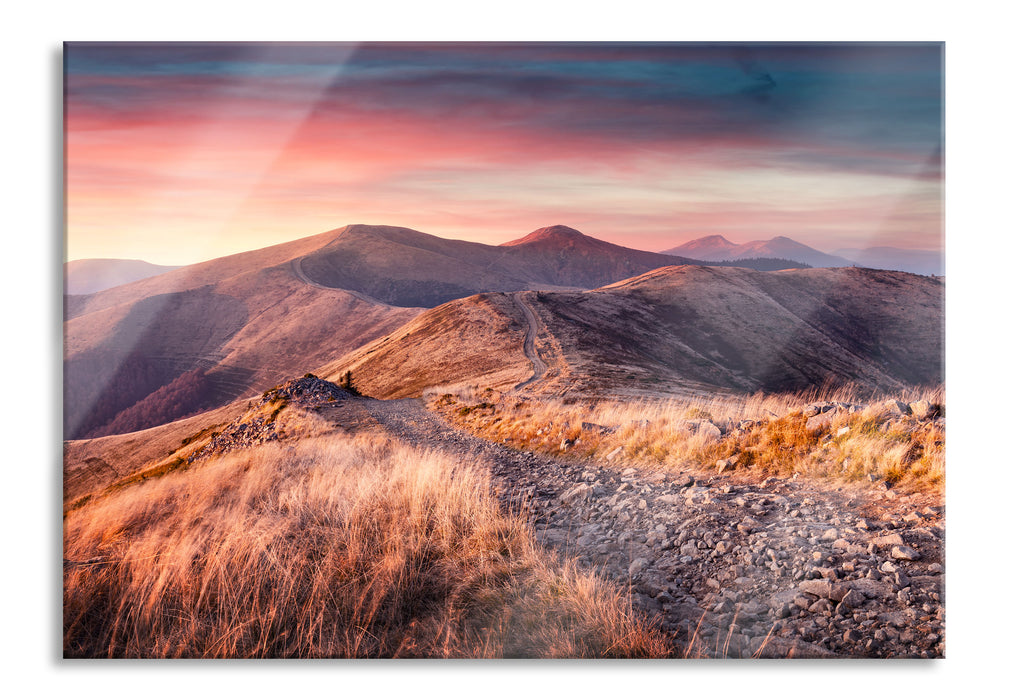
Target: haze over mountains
x,y
95,274
920,262
360,298
718,248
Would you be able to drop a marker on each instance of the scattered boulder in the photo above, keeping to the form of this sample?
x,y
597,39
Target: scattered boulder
x,y
612,455
577,493
708,431
897,407
823,419
728,464
904,553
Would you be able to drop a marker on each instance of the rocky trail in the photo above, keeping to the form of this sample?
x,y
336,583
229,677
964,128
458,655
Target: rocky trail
x,y
529,344
732,568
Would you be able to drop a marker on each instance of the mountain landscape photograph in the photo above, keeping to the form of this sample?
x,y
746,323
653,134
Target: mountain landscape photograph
x,y
537,350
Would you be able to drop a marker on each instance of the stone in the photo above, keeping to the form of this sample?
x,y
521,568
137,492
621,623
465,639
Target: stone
x,y
822,606
890,540
870,588
904,553
823,420
814,409
748,525
637,566
696,495
897,407
708,431
853,599
613,453
575,494
817,587
728,464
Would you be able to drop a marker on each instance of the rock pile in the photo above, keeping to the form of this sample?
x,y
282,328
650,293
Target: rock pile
x,y
821,414
308,392
259,425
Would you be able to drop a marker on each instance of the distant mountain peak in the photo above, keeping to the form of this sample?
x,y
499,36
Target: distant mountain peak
x,y
717,248
550,234
714,238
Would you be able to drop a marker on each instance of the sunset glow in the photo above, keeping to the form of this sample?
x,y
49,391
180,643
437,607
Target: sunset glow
x,y
178,153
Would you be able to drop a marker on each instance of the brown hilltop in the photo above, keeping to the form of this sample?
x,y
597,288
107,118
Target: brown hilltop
x,y
477,339
408,268
198,337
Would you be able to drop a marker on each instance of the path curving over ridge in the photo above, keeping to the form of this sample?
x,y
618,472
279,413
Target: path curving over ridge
x,y
529,344
299,272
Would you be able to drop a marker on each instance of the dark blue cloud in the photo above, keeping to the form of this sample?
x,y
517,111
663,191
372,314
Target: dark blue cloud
x,y
862,97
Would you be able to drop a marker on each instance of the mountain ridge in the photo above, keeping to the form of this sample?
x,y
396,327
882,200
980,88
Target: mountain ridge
x,y
673,329
719,249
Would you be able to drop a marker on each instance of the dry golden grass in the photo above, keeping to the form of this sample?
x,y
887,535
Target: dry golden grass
x,y
330,547
657,433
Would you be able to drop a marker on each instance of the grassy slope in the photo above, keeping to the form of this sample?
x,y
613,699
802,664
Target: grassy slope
x,y
330,547
768,434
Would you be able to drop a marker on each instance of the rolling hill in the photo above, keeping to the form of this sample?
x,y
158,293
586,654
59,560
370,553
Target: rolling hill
x,y
158,350
194,338
408,268
674,329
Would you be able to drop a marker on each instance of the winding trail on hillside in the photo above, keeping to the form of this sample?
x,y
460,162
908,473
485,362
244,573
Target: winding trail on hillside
x,y
299,272
529,344
734,567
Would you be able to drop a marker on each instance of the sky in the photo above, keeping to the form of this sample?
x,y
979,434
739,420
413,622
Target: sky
x,y
177,153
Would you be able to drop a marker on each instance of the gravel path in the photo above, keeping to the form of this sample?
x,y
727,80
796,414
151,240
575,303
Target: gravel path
x,y
296,268
735,569
529,344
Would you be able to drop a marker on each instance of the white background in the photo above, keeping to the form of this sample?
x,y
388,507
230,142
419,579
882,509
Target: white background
x,y
976,319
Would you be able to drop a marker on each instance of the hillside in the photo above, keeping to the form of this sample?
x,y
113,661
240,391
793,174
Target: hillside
x,y
675,329
477,339
141,363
